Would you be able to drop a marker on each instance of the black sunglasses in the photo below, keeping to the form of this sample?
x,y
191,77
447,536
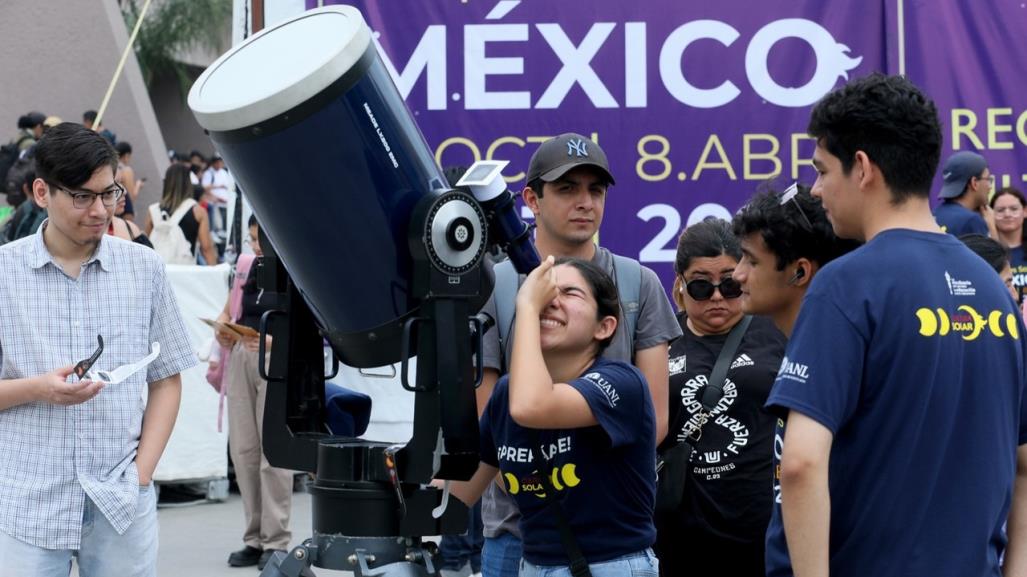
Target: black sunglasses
x,y
701,289
83,366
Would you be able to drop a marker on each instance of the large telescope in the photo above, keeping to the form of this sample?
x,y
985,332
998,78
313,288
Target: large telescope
x,y
369,248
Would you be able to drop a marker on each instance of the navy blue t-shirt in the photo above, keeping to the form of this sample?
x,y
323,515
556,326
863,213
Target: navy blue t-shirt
x,y
911,352
604,475
958,220
1018,264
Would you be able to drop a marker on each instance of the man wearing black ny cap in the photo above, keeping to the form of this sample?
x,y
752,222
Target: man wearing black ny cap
x,y
964,208
567,183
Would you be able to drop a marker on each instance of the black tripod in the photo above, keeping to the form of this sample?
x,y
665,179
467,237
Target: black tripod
x,y
370,504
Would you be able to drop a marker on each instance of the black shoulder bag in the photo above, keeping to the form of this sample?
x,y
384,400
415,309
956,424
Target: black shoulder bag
x,y
578,566
672,467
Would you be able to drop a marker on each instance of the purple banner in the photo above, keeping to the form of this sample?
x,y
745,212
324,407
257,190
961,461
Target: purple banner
x,y
696,104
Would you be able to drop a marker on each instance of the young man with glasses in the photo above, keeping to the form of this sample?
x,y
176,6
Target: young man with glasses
x,y
77,456
967,185
903,379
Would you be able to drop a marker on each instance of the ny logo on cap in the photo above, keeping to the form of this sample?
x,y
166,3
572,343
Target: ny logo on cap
x,y
577,146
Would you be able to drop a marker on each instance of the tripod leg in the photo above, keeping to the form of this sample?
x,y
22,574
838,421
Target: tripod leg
x,y
295,563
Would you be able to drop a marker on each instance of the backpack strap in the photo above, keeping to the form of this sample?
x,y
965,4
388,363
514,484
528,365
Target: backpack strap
x,y
578,564
628,277
155,213
505,296
179,214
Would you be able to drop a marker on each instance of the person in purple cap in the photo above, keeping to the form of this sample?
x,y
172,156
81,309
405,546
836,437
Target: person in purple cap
x,y
964,208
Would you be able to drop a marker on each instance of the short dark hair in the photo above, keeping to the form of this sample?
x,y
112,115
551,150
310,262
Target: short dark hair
x,y
31,120
536,186
123,148
892,122
252,221
992,251
89,116
603,289
785,232
709,238
68,154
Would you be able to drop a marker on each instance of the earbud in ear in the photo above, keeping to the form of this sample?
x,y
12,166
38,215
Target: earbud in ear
x,y
800,273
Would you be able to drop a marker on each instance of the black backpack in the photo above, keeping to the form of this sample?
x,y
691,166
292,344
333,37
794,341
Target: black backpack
x,y
9,155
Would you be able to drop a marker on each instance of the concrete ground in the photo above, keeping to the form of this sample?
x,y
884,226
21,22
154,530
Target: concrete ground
x,y
195,540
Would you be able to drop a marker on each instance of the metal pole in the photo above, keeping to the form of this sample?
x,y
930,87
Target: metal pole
x,y
902,38
121,65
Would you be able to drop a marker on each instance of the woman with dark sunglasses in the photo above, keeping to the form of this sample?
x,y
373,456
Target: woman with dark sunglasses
x,y
720,524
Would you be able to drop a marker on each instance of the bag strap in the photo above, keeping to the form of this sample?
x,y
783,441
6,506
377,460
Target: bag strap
x,y
628,276
505,296
715,387
179,214
578,564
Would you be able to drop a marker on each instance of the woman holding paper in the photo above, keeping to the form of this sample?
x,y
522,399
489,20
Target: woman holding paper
x,y
266,491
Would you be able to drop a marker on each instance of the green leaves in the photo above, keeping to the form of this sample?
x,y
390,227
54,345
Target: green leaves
x,y
171,29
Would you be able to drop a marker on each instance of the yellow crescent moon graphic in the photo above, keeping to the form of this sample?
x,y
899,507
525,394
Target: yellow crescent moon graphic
x,y
943,322
928,322
995,323
1011,326
978,322
512,486
555,480
569,477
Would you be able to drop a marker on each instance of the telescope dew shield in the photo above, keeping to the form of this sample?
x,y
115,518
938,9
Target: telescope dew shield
x,y
318,137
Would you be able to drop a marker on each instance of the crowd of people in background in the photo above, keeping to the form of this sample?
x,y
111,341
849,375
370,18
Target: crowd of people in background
x,y
744,434
200,181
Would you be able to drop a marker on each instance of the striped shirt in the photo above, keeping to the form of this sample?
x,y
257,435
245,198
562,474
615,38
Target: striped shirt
x,y
52,457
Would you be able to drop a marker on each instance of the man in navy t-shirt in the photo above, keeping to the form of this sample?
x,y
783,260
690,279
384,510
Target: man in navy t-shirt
x,y
966,185
903,379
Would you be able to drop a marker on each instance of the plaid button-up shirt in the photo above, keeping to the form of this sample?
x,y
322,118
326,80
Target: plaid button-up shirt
x,y
52,457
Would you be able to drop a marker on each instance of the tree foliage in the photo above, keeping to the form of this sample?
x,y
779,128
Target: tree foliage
x,y
172,28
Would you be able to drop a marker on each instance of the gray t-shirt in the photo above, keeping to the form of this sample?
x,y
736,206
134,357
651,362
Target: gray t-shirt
x,y
656,324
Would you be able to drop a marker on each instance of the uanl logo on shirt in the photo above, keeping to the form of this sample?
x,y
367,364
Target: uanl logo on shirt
x,y
605,386
959,288
794,371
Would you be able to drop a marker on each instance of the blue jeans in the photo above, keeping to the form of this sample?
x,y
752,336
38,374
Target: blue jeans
x,y
640,564
501,556
102,552
459,550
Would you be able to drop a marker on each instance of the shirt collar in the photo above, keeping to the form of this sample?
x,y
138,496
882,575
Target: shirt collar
x,y
40,256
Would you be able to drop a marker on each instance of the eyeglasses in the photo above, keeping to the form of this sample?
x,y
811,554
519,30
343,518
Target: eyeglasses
x,y
990,179
83,366
701,289
789,196
83,199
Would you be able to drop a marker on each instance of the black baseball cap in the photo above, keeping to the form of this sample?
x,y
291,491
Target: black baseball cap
x,y
557,156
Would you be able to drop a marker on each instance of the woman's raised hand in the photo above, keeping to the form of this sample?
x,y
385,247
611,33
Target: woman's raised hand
x,y
540,288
